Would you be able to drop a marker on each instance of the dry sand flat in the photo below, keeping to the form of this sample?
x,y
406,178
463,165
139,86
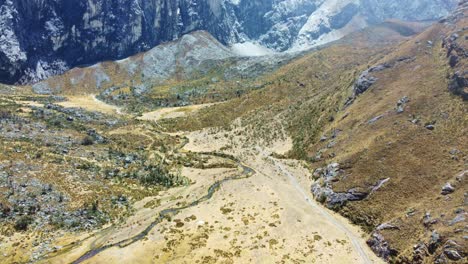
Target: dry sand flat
x,y
172,112
91,103
301,217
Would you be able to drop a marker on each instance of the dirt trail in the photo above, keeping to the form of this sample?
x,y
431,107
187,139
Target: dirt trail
x,y
357,241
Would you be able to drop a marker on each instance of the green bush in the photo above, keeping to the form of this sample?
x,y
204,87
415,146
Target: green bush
x,y
157,175
22,223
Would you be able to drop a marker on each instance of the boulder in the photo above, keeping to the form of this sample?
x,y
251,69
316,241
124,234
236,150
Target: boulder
x,y
356,194
434,242
419,252
453,250
375,119
363,83
447,189
334,200
427,220
386,226
379,184
332,170
452,254
441,259
458,85
401,104
458,219
96,136
453,60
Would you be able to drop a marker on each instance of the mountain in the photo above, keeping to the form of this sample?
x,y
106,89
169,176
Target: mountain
x,y
178,58
175,73
42,38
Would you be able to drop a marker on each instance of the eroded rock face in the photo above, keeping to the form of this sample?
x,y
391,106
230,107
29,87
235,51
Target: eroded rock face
x,y
380,246
459,85
367,79
323,191
457,54
51,36
41,38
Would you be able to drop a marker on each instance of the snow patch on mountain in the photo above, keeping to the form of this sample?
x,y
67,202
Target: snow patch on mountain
x,y
319,29
251,49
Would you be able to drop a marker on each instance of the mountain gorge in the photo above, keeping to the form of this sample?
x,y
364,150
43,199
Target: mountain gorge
x,y
341,138
40,39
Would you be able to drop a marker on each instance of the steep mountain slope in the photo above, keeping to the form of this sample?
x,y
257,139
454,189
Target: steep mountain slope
x,y
178,59
40,38
395,159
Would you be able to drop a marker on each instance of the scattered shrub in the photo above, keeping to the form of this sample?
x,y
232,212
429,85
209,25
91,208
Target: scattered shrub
x,y
87,141
22,223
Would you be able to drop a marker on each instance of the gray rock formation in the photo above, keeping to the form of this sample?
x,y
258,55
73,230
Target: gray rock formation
x,y
380,246
323,191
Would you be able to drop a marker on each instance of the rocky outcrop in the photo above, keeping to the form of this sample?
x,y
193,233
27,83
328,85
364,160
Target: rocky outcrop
x,y
451,251
441,249
367,78
457,54
419,252
447,189
401,104
323,191
458,84
380,246
41,38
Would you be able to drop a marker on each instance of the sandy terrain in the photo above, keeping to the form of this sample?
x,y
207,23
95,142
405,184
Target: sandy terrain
x,y
91,103
172,112
269,217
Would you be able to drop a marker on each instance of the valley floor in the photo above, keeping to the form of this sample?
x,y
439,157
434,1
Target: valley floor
x,y
268,217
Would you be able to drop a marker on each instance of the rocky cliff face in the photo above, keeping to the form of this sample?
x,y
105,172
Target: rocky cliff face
x,y
41,38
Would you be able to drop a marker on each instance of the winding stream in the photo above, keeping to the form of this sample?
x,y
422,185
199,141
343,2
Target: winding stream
x,y
164,214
